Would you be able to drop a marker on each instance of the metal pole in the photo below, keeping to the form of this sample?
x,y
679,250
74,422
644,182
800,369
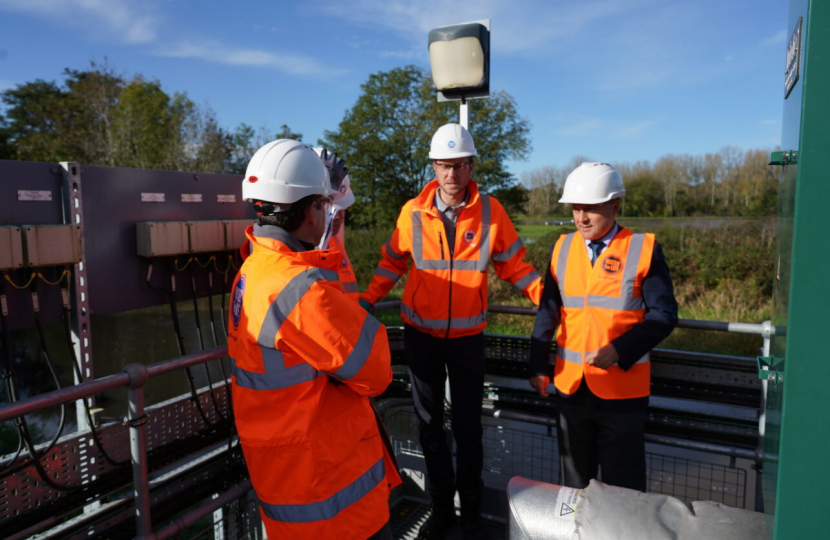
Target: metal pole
x,y
767,330
463,114
139,375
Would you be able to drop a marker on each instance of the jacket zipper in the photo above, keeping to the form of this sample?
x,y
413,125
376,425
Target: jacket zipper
x,y
449,306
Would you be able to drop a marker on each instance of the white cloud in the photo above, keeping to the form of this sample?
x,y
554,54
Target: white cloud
x,y
632,132
778,40
132,22
295,64
582,127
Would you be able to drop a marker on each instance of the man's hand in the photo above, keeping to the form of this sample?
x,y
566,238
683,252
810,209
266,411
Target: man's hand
x,y
540,384
603,358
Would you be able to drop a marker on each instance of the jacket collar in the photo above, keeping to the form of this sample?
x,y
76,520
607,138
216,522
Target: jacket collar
x,y
279,234
425,201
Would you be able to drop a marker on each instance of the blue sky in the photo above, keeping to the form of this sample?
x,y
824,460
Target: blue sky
x,y
614,80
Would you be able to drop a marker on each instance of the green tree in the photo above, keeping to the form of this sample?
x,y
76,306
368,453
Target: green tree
x,y
385,140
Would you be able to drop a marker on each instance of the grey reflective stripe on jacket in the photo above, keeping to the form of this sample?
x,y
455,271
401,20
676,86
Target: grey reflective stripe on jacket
x,y
479,265
626,301
327,509
276,375
575,357
456,323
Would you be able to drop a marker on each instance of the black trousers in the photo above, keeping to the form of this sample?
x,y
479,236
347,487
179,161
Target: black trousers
x,y
430,361
593,438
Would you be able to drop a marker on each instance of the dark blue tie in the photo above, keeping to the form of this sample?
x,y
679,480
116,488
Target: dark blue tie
x,y
596,248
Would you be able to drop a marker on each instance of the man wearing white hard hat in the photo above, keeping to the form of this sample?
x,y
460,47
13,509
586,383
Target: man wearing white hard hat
x,y
450,231
609,292
304,360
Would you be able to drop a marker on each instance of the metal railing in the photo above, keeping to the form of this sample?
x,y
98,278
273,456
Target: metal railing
x,y
135,377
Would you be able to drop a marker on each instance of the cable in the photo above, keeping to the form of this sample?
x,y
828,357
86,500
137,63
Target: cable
x,y
202,341
216,339
76,365
174,312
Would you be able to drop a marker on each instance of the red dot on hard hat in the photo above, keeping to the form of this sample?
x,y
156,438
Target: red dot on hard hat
x,y
252,179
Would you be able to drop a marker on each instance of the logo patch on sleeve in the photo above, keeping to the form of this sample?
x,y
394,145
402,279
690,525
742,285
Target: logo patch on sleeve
x,y
469,236
236,306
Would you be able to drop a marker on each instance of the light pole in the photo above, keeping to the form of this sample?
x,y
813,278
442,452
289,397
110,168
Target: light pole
x,y
459,56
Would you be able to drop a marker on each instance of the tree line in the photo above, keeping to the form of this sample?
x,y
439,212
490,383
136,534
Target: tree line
x,y
730,182
99,117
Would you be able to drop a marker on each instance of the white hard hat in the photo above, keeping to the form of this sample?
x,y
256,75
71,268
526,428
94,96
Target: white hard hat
x,y
283,172
592,183
452,141
339,175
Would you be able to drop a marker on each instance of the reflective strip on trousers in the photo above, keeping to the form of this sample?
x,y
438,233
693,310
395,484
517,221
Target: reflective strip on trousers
x,y
287,300
329,508
456,323
626,300
479,265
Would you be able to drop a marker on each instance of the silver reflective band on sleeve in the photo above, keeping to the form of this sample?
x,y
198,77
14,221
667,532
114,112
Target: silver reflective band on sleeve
x,y
360,351
573,301
526,281
456,323
287,300
645,359
568,355
327,509
511,251
391,252
349,286
276,375
388,274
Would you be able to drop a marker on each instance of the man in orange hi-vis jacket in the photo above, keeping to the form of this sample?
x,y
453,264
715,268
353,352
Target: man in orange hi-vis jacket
x,y
609,293
450,231
305,358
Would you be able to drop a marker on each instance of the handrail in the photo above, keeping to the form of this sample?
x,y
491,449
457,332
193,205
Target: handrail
x,y
762,329
65,395
135,376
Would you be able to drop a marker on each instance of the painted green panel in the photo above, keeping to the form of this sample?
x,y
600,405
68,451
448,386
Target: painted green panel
x,y
797,435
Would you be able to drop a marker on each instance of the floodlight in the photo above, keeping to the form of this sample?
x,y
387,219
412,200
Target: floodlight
x,y
460,59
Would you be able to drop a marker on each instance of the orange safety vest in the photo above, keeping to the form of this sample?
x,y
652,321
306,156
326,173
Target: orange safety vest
x,y
599,304
446,296
313,449
346,271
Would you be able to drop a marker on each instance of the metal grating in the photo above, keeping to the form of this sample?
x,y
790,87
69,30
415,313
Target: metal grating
x,y
76,458
408,515
515,452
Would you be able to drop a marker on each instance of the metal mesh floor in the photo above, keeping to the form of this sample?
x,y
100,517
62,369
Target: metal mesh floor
x,y
408,515
510,451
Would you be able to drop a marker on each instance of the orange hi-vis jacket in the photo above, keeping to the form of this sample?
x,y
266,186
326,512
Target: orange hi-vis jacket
x,y
446,295
600,304
346,271
313,449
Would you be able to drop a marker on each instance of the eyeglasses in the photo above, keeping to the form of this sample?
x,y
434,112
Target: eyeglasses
x,y
445,167
323,203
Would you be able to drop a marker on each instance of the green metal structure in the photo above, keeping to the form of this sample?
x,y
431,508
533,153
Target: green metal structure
x,y
796,471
